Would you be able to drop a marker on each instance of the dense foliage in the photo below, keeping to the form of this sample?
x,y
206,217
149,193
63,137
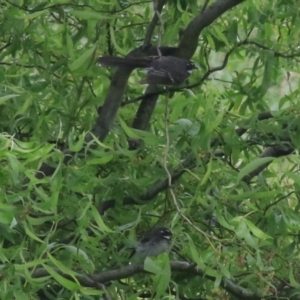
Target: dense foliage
x,y
91,159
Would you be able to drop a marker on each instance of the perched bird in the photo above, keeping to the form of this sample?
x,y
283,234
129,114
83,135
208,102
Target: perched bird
x,y
153,243
165,70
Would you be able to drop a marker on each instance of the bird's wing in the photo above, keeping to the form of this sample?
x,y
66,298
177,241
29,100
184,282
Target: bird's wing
x,y
144,240
158,77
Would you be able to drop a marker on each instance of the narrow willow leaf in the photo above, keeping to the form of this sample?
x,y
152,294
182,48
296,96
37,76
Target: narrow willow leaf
x,y
207,173
130,132
256,231
68,284
32,15
292,278
151,266
87,15
295,177
7,97
221,36
101,160
113,39
222,220
162,280
267,77
99,220
62,267
253,166
31,234
83,58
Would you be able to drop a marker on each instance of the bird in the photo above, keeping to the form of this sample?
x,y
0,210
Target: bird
x,y
153,243
163,70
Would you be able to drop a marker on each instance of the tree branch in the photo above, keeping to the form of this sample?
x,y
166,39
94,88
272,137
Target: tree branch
x,y
189,40
176,266
153,191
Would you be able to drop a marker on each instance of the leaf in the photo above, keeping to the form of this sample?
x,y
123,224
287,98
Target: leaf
x,y
242,232
32,15
77,145
68,284
28,102
220,36
31,234
101,160
61,62
151,266
250,241
83,58
129,131
6,217
87,15
292,280
62,267
267,77
218,280
7,97
99,220
160,266
207,173
91,292
253,166
256,231
222,220
114,42
295,177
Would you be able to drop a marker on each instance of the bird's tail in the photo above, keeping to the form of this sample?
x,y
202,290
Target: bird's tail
x,y
134,62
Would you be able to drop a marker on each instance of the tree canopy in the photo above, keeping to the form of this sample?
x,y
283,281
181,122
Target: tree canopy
x,y
91,159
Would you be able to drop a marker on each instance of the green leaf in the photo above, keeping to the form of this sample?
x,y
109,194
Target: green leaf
x,y
62,267
295,177
31,15
151,266
99,220
91,292
31,234
68,284
160,266
6,217
76,146
267,77
87,15
222,220
256,231
28,102
220,36
82,59
114,42
101,160
292,280
242,231
7,97
207,173
129,131
57,65
258,162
